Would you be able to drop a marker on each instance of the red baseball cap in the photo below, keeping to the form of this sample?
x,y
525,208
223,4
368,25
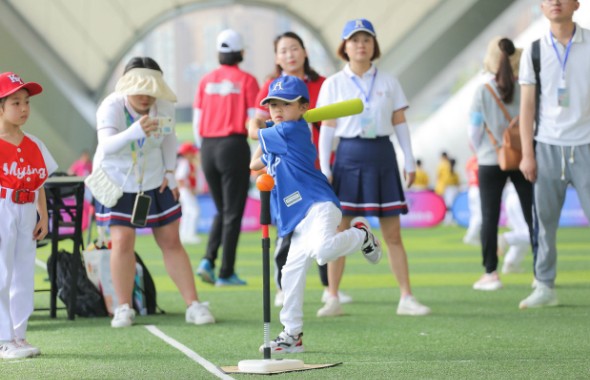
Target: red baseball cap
x,y
187,147
11,83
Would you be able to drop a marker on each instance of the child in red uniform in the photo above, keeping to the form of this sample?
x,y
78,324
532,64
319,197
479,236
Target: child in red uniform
x,y
186,177
25,165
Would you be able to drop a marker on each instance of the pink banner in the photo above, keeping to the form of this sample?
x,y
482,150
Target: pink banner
x,y
250,220
426,209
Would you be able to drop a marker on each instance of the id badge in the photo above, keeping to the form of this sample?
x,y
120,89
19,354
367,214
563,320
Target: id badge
x,y
369,127
563,97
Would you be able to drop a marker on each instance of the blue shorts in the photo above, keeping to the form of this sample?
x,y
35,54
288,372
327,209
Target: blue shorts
x,y
366,178
163,210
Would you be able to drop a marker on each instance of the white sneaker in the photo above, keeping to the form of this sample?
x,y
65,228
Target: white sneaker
x,y
342,297
199,314
331,308
534,283
408,305
35,351
11,350
540,297
371,247
286,344
279,298
124,316
488,282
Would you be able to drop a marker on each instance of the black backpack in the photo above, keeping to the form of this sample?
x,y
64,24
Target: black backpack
x,y
148,291
89,301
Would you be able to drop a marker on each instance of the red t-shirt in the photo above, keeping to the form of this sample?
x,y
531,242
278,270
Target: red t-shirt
x,y
224,96
314,89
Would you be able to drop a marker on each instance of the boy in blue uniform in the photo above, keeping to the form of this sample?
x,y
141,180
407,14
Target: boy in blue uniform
x,y
304,203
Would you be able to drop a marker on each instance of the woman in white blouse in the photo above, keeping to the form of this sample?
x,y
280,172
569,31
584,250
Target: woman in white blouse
x,y
365,174
138,153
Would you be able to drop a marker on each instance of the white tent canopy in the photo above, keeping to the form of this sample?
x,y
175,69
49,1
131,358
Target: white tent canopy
x,y
73,46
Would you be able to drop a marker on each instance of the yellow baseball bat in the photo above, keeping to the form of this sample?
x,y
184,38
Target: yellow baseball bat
x,y
334,111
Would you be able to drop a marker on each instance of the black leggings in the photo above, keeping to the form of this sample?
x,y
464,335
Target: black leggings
x,y
491,184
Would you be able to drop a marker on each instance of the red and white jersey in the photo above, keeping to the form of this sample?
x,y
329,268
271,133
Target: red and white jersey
x,y
224,97
25,166
186,171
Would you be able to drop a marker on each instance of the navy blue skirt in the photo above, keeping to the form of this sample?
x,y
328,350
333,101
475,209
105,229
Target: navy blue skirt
x,y
163,210
366,178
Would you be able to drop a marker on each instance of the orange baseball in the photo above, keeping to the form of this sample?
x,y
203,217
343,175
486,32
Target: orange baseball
x,y
265,182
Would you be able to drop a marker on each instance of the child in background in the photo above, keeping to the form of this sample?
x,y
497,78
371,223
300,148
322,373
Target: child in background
x,y
304,203
474,202
513,244
186,177
422,182
82,166
26,164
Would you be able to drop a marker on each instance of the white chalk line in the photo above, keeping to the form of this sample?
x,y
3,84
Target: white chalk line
x,y
212,368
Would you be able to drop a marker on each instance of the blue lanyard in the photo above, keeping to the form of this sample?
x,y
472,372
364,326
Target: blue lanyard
x,y
567,52
366,96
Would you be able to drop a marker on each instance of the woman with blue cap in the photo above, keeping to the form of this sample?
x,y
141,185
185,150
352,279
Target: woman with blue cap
x,y
365,174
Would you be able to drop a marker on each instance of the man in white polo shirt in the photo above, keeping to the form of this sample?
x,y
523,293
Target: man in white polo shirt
x,y
561,154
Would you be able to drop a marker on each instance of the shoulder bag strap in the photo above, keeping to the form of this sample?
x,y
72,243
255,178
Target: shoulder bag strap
x,y
492,139
506,114
499,102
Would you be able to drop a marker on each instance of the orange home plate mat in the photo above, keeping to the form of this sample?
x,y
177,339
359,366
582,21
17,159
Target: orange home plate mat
x,y
306,367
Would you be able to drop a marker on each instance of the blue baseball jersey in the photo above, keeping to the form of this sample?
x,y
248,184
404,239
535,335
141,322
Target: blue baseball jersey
x,y
289,156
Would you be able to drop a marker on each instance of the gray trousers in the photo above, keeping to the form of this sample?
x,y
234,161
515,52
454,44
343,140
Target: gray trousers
x,y
557,167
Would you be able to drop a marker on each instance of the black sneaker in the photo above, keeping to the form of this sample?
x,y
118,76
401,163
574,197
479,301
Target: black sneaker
x,y
286,344
371,247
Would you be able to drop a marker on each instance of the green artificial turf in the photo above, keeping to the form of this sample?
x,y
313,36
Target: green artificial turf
x,y
470,335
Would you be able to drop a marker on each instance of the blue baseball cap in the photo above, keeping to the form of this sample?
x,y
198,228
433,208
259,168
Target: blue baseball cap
x,y
358,25
286,88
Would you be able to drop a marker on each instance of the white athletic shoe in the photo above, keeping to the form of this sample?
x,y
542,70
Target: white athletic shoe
x,y
342,297
409,305
371,247
199,314
331,308
286,344
488,282
11,350
124,316
540,297
35,351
